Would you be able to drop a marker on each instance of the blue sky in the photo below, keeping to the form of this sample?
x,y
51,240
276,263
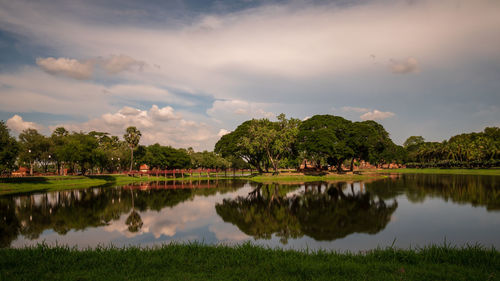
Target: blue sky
x,y
186,72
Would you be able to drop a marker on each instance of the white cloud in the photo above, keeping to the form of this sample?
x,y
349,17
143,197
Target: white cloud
x,y
410,65
17,124
157,125
218,53
31,89
223,132
368,114
310,55
127,110
163,114
376,115
241,109
85,69
118,63
67,67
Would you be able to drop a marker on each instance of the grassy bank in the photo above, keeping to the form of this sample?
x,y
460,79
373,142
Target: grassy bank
x,y
479,172
247,262
311,178
53,183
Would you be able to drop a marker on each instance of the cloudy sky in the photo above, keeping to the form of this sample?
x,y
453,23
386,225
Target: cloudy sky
x,y
186,72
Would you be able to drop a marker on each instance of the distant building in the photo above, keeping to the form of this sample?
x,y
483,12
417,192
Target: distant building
x,y
144,168
22,172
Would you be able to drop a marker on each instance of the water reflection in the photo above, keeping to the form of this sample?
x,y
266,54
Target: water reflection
x,y
415,209
321,211
30,215
463,189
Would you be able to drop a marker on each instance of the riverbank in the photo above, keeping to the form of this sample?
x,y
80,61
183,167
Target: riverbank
x,y
247,262
300,178
54,183
479,172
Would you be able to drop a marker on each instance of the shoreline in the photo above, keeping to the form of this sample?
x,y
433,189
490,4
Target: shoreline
x,y
54,183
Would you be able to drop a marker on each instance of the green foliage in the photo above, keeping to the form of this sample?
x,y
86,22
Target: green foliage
x,y
8,149
208,160
232,145
323,139
413,141
34,148
166,157
132,137
464,150
275,139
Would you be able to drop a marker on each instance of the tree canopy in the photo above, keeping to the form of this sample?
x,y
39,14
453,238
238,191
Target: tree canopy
x,y
8,149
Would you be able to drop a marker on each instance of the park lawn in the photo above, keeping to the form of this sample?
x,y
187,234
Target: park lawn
x,y
54,183
479,172
247,262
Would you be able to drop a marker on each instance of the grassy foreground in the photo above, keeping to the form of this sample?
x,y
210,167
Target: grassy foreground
x,y
247,262
479,172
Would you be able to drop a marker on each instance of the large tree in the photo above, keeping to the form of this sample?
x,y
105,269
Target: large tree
x,y
325,139
34,147
132,137
232,145
276,139
58,138
8,149
166,157
80,149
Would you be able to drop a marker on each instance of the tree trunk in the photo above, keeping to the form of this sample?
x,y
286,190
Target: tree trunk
x,y
131,158
339,167
352,164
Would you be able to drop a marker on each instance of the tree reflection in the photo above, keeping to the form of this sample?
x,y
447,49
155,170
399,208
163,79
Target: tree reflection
x,y
321,213
63,211
134,220
463,189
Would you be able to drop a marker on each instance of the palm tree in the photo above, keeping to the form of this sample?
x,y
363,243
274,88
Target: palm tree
x,y
134,220
132,137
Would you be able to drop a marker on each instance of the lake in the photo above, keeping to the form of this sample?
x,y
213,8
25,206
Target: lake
x,y
407,210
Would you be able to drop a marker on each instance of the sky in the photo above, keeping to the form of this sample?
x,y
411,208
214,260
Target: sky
x,y
187,72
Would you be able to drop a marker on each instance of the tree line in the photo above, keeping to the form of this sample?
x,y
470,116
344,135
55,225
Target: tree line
x,y
96,152
327,141
332,141
464,150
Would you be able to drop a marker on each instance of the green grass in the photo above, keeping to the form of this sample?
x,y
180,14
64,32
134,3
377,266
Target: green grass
x,y
479,172
54,183
247,262
311,178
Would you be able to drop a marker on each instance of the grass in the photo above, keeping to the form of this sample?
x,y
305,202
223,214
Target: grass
x,y
313,178
247,262
479,172
54,183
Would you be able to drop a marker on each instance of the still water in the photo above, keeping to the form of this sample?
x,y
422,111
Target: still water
x,y
404,210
